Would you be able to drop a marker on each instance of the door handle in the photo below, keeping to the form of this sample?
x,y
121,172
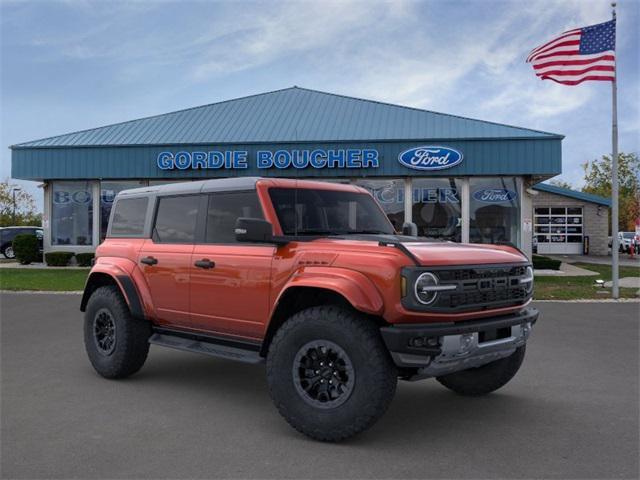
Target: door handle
x,y
149,260
205,263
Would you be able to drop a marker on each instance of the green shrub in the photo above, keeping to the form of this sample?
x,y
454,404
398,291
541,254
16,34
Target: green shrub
x,y
545,263
25,246
84,259
58,259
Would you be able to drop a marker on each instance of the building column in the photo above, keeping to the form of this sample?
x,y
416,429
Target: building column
x,y
95,193
408,199
46,216
464,201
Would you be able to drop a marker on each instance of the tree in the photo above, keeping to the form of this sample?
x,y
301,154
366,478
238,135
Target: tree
x,y
25,207
597,179
561,183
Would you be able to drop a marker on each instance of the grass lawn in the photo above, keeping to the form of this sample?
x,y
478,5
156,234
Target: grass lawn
x,y
569,288
63,280
546,288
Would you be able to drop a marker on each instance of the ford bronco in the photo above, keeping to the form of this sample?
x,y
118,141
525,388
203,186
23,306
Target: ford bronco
x,y
311,279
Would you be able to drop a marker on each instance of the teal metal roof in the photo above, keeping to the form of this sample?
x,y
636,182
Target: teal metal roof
x,y
566,192
289,115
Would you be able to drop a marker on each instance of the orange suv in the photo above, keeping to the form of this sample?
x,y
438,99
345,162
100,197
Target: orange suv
x,y
311,278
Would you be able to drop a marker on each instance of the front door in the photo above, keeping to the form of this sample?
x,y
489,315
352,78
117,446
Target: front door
x,y
165,259
230,282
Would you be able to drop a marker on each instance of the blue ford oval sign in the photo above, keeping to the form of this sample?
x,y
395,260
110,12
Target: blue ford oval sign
x,y
430,157
495,195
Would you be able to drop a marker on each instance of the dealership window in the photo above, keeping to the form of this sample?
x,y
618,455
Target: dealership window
x,y
72,213
494,210
436,207
225,209
176,219
108,192
390,195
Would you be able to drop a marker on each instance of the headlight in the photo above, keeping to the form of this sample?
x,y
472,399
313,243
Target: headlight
x,y
425,288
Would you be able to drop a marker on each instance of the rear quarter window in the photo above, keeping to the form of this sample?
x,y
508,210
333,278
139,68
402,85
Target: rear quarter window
x,y
128,217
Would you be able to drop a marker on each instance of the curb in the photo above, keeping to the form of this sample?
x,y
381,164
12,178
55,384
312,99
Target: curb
x,y
42,292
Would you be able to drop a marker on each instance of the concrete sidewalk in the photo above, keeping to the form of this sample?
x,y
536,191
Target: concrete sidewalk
x,y
624,259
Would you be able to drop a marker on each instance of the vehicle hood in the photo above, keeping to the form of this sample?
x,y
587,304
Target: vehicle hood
x,y
437,252
449,253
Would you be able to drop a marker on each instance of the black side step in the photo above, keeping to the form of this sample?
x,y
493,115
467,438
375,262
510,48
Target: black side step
x,y
208,346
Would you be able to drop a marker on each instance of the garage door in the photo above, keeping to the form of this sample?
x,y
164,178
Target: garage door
x,y
558,229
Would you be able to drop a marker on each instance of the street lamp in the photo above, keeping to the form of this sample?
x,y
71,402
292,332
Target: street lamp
x,y
13,193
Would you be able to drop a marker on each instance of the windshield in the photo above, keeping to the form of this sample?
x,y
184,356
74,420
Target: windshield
x,y
628,234
327,212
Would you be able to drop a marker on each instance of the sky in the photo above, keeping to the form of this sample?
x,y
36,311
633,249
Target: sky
x,y
77,64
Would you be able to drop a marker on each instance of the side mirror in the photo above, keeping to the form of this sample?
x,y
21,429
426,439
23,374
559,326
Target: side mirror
x,y
254,230
410,228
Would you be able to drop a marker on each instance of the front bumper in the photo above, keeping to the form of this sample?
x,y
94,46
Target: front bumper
x,y
437,349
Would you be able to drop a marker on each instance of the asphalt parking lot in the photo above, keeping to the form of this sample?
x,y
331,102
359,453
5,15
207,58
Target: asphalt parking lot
x,y
571,412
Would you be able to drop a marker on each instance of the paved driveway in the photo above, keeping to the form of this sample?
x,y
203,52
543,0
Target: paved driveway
x,y
572,411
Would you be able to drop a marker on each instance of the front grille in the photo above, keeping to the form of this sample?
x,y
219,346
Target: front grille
x,y
477,288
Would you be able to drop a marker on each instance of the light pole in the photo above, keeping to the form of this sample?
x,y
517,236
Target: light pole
x,y
13,193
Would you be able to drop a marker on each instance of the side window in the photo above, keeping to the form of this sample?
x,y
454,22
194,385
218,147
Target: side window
x,y
224,210
128,217
176,219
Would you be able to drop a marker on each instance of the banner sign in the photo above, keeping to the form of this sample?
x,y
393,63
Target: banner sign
x,y
266,159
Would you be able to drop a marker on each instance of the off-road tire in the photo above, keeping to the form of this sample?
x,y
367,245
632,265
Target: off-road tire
x,y
485,379
375,374
131,335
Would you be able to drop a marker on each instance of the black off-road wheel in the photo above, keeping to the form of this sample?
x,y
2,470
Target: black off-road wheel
x,y
488,378
117,344
329,373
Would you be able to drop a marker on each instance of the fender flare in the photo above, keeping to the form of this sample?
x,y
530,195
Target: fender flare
x,y
354,286
123,281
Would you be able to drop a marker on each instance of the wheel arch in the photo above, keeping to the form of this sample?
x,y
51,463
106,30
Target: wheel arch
x,y
122,282
306,291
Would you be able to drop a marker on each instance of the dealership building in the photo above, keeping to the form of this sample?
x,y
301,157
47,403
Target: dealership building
x,y
456,178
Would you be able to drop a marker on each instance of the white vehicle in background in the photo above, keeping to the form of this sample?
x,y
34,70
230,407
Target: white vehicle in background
x,y
624,240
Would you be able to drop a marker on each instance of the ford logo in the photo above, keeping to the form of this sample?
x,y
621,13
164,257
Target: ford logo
x,y
495,195
430,157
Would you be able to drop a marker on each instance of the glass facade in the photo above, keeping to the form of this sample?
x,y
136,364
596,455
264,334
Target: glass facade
x,y
390,194
436,207
108,192
72,213
494,210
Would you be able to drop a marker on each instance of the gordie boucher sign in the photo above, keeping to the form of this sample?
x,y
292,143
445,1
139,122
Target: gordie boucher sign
x,y
425,157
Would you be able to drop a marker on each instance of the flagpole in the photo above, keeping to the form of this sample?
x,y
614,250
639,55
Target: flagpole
x,y
615,293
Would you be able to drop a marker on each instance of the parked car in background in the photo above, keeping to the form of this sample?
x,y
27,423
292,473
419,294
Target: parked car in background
x,y
624,240
7,234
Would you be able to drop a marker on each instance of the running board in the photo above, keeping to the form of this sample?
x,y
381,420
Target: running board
x,y
206,347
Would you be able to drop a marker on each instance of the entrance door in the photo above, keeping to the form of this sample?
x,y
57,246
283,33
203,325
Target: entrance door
x,y
230,281
165,259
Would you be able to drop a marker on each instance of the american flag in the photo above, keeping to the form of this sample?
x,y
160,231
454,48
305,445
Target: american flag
x,y
578,55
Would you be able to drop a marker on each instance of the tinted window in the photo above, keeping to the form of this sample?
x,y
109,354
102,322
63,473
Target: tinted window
x,y
176,219
307,211
128,216
224,210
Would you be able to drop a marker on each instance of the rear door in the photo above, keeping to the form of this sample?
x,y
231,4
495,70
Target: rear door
x,y
165,259
229,280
